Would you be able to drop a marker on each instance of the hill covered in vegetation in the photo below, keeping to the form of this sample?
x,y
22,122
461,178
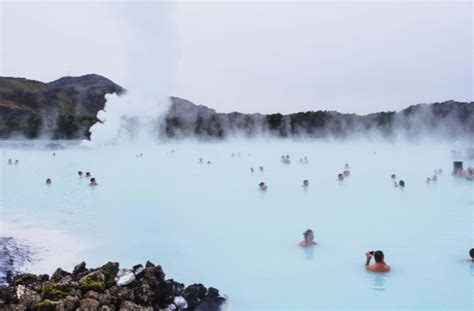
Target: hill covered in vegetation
x,y
66,109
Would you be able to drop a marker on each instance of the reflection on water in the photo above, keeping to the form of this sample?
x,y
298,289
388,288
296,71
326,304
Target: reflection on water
x,y
472,268
377,281
308,253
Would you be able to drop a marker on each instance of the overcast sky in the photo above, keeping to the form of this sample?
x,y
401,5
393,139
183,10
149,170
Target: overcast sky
x,y
349,56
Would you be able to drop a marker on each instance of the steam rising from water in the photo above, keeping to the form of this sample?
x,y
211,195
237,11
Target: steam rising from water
x,y
149,60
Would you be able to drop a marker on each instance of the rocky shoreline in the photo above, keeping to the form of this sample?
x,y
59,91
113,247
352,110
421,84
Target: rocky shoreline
x,y
106,288
14,256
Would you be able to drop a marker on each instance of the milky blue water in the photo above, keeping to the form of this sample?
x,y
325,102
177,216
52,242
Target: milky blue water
x,y
209,223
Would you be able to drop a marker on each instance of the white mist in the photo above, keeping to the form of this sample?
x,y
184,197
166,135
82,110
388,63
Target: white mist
x,y
149,60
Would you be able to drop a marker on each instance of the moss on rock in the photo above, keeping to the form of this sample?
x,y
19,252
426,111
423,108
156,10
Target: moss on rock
x,y
46,305
53,291
94,281
25,279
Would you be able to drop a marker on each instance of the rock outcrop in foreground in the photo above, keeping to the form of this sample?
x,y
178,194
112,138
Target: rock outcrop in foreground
x,y
143,288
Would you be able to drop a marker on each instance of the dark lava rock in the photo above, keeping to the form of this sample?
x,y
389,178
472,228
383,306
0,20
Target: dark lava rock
x,y
194,294
8,295
212,302
130,306
89,304
96,289
26,279
149,264
80,269
27,297
109,270
69,303
59,274
213,292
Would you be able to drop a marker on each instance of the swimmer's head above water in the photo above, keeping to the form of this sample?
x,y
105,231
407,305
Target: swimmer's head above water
x,y
379,256
308,239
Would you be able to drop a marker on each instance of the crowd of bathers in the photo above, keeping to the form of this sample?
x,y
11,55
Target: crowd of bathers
x,y
87,175
49,181
285,159
467,173
379,265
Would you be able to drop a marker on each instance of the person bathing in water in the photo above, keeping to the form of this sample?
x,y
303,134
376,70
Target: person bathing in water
x,y
305,183
308,239
285,159
88,174
346,172
80,173
93,182
340,177
49,181
471,253
379,266
262,187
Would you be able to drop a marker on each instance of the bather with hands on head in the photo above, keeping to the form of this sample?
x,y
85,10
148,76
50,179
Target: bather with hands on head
x,y
379,266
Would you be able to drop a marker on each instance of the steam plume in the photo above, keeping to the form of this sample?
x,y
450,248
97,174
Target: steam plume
x,y
149,64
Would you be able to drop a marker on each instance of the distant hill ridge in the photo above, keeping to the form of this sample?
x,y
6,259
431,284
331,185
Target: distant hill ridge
x,y
67,107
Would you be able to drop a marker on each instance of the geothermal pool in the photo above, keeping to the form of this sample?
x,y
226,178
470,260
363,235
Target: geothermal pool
x,y
209,223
